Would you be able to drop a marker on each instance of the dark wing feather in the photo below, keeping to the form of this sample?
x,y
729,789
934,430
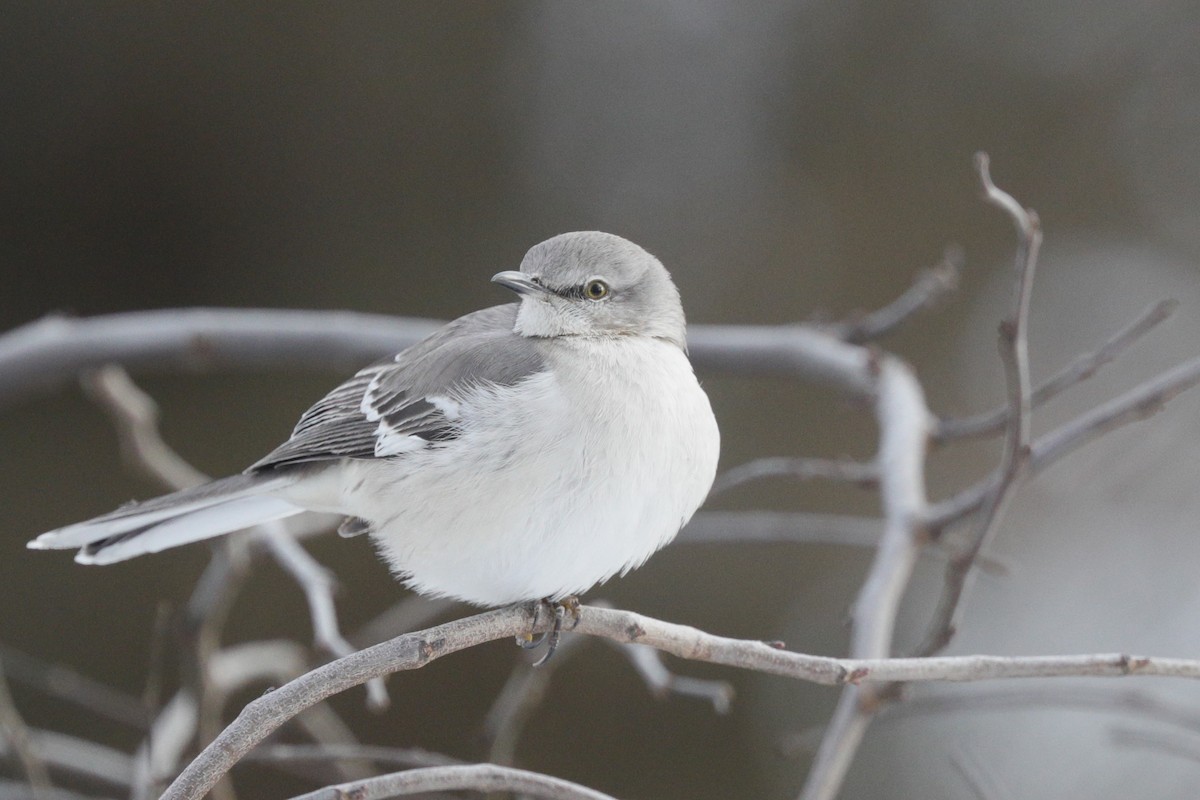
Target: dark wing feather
x,y
408,402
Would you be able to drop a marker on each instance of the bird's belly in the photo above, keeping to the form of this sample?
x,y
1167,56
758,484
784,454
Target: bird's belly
x,y
551,499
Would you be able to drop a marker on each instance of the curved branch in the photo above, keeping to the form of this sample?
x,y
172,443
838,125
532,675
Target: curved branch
x,y
53,351
413,651
473,777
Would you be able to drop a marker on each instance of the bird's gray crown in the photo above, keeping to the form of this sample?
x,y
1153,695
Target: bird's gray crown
x,y
590,283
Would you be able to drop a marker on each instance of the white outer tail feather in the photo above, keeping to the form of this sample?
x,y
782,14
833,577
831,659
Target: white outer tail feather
x,y
196,516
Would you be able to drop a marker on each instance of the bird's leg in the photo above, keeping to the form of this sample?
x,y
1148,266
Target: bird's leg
x,y
568,605
560,609
532,641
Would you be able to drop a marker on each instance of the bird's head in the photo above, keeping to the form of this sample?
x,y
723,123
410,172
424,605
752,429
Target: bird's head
x,y
594,284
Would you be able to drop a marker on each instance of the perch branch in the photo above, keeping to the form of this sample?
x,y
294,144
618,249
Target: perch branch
x,y
412,651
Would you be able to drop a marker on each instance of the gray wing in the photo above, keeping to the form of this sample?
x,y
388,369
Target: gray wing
x,y
410,402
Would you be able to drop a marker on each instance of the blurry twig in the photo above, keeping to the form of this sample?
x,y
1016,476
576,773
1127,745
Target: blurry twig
x,y
67,684
1079,370
318,585
385,756
661,681
1187,747
853,472
135,415
983,783
14,790
473,777
930,286
15,734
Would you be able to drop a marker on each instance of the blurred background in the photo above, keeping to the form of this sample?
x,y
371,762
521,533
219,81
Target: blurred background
x,y
788,161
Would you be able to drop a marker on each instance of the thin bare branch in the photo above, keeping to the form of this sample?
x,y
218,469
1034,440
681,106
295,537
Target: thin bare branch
x,y
1079,370
473,777
803,469
930,287
1137,404
1014,463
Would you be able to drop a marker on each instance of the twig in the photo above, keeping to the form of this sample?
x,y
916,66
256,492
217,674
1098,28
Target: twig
x,y
14,732
413,651
1137,404
930,287
81,757
474,777
661,681
1079,370
318,585
804,469
13,790
517,700
65,683
135,415
387,756
1187,747
983,784
904,425
1014,463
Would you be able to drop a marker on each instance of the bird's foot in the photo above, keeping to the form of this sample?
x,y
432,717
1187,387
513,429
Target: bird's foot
x,y
560,609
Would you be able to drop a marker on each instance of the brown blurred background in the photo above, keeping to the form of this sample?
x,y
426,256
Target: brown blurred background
x,y
785,160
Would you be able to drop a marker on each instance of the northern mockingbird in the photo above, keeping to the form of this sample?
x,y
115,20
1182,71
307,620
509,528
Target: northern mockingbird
x,y
523,452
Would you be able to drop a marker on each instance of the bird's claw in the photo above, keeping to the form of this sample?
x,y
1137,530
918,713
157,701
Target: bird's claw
x,y
560,609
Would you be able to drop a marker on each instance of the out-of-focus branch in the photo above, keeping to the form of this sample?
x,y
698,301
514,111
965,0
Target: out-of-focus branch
x,y
930,287
904,423
54,351
135,415
318,585
65,683
1079,370
1187,747
15,734
472,777
804,469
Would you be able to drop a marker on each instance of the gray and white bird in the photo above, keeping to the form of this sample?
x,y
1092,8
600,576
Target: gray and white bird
x,y
523,452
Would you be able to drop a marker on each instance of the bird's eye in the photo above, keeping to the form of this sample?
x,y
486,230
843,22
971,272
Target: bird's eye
x,y
596,290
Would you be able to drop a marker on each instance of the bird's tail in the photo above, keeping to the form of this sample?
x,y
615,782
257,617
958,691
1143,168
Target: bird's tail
x,y
216,508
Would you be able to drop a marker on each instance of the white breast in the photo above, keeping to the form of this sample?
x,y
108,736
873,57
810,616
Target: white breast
x,y
556,484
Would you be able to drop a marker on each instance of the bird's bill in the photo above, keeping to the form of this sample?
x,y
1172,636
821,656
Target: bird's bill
x,y
519,282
